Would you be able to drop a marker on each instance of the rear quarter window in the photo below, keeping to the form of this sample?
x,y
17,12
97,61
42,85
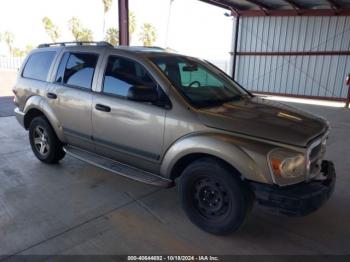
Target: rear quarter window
x,y
38,65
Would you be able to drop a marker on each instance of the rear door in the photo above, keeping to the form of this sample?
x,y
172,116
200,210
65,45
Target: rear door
x,y
70,95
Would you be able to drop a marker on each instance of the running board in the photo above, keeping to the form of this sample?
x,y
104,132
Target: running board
x,y
117,167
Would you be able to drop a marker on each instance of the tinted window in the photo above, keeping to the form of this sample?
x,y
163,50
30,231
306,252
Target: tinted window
x,y
77,69
123,73
38,65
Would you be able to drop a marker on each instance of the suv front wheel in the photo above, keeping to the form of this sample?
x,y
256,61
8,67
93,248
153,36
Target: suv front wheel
x,y
213,196
44,142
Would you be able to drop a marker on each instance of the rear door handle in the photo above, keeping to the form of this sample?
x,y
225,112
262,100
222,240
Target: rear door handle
x,y
102,108
51,95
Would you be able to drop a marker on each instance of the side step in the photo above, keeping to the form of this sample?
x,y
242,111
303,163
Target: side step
x,y
117,167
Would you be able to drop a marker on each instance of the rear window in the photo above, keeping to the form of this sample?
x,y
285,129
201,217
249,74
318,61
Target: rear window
x,y
77,69
38,65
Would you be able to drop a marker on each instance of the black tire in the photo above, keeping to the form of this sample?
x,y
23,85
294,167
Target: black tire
x,y
221,211
44,142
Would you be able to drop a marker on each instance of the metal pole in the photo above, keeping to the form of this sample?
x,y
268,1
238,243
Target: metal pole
x,y
235,48
348,98
168,24
123,11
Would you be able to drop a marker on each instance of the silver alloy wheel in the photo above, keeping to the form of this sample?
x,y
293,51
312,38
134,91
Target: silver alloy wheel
x,y
41,142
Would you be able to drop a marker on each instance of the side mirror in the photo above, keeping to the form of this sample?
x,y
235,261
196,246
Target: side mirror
x,y
143,94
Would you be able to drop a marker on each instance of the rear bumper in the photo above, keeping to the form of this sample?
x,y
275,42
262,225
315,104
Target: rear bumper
x,y
19,116
300,199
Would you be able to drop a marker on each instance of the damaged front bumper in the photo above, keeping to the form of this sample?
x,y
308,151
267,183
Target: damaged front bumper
x,y
300,199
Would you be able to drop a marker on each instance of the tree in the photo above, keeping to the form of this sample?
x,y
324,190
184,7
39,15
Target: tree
x,y
132,24
51,29
86,35
8,38
16,52
112,36
28,48
148,34
75,27
107,4
78,31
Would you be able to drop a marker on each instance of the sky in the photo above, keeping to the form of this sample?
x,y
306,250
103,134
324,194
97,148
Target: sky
x,y
195,28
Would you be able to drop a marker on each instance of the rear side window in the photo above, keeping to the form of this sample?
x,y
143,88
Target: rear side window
x,y
38,65
121,74
77,69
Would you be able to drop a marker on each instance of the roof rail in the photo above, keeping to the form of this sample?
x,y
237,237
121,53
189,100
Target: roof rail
x,y
151,47
78,43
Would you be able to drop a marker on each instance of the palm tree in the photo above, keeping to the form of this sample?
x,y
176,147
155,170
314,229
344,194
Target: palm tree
x,y
16,52
28,48
107,4
132,24
148,34
79,32
51,29
8,38
74,27
168,23
85,35
112,36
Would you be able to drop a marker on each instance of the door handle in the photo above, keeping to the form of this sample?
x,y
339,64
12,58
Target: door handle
x,y
51,95
102,108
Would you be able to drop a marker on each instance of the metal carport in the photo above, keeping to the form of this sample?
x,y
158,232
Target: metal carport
x,y
297,48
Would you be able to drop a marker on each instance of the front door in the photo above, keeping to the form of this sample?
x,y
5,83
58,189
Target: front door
x,y
70,97
128,131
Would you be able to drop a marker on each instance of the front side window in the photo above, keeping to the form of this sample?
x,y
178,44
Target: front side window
x,y
77,69
197,82
38,65
121,74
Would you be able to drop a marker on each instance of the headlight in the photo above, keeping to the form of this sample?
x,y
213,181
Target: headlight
x,y
287,164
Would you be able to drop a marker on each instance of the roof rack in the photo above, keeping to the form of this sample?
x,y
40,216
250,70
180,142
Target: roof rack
x,y
77,43
151,47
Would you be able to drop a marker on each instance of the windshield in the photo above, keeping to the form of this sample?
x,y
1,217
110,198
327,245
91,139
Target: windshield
x,y
200,84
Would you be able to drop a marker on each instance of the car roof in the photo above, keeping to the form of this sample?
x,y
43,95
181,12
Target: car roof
x,y
103,44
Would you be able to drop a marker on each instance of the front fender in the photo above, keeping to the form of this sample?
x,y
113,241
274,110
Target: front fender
x,y
249,158
39,103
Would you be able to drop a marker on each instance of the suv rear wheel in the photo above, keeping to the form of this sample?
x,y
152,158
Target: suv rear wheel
x,y
214,198
44,142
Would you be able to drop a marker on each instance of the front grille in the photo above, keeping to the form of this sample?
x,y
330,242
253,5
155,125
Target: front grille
x,y
315,152
315,156
315,167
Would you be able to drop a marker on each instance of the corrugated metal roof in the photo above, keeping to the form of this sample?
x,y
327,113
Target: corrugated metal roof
x,y
280,7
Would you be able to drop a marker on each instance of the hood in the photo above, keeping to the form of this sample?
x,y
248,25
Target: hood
x,y
265,119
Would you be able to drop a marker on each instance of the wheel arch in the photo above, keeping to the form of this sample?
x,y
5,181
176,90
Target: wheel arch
x,y
30,115
219,147
37,106
183,162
